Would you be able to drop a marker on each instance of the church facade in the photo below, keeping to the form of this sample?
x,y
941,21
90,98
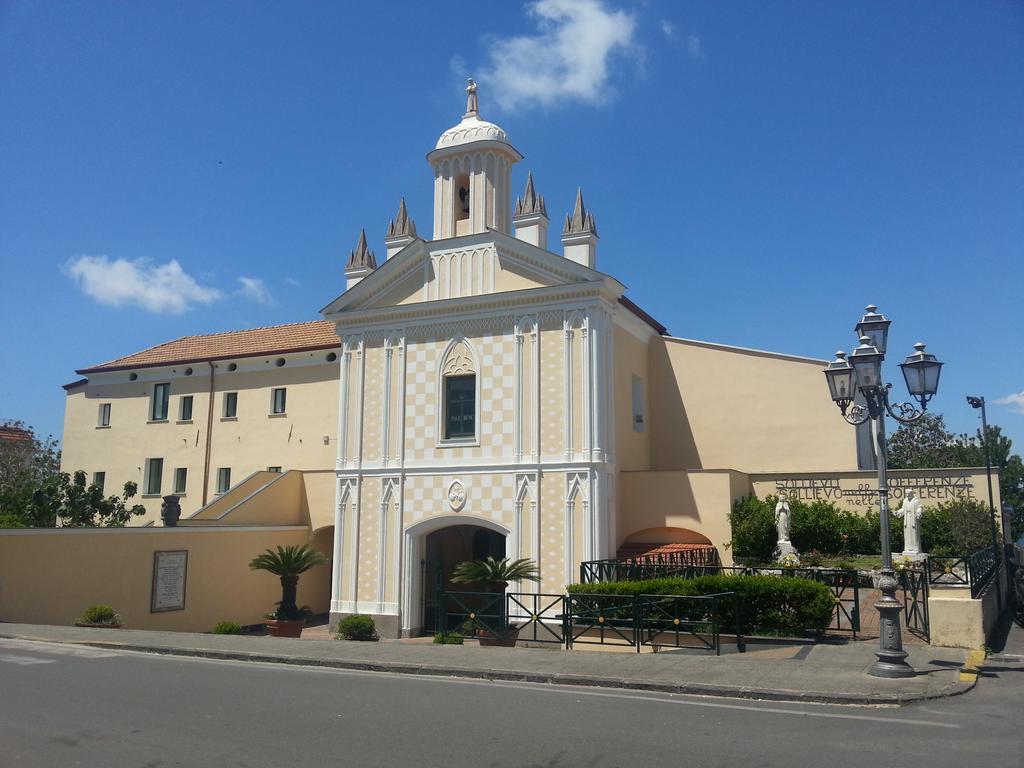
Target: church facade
x,y
486,391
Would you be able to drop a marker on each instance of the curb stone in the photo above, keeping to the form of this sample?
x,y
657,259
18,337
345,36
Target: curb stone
x,y
966,683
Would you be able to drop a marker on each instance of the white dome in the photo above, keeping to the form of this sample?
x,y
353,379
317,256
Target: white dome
x,y
472,128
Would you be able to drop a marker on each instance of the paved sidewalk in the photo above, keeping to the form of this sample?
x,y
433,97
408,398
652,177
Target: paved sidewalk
x,y
798,672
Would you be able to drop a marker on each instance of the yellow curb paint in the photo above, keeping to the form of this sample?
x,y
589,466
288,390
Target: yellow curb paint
x,y
972,666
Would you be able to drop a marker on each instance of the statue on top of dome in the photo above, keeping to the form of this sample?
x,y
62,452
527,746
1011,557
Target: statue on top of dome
x,y
471,104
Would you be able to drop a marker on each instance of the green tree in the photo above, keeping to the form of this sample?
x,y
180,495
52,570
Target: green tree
x,y
34,493
927,444
288,563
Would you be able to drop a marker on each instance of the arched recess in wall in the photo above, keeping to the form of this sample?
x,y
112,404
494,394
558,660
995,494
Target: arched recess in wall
x,y
458,391
653,541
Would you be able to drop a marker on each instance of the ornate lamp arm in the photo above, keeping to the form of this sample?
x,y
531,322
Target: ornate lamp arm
x,y
904,413
857,415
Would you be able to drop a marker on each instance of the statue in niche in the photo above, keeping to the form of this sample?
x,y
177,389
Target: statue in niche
x,y
911,514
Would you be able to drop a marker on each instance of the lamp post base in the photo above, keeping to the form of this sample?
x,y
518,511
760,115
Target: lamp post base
x,y
892,659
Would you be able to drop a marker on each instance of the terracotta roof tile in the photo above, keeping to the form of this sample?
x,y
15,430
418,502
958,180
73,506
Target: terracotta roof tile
x,y
276,339
12,434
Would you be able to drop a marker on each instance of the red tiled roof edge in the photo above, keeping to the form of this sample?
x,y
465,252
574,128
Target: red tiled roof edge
x,y
72,384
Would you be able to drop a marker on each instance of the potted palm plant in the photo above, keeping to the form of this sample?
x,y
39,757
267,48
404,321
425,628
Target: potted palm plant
x,y
494,575
288,563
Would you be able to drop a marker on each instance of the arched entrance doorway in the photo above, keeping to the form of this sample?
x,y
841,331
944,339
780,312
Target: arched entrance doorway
x,y
434,548
443,550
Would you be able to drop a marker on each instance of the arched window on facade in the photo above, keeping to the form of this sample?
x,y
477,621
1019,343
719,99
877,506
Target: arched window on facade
x,y
458,393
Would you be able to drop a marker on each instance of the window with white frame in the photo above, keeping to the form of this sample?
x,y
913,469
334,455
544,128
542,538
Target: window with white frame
x,y
154,477
160,401
223,479
103,419
180,479
278,400
638,404
459,394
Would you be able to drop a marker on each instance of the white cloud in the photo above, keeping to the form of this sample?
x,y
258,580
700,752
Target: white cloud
x,y
668,27
255,289
1015,401
695,47
566,60
159,288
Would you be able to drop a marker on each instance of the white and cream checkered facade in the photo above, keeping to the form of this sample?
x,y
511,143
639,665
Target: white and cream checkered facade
x,y
537,331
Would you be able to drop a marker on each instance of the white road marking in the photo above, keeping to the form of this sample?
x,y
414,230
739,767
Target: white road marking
x,y
58,649
25,661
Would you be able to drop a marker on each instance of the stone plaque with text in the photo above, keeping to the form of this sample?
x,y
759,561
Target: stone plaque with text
x,y
170,568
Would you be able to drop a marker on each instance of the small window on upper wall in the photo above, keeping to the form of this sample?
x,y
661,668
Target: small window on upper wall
x,y
161,399
638,404
180,479
230,405
185,414
99,479
223,479
278,400
104,415
154,476
274,469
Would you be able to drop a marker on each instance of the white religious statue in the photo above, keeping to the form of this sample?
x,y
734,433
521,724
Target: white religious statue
x,y
911,514
784,548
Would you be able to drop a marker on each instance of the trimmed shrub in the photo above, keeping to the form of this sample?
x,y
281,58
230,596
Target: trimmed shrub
x,y
99,615
956,527
443,638
228,628
357,627
774,603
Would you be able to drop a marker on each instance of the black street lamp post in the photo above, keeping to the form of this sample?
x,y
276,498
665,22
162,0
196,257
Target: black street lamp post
x,y
863,373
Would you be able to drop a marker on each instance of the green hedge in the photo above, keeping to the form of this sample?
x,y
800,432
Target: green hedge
x,y
956,527
767,603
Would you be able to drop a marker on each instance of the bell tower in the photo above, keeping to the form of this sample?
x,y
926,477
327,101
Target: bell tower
x,y
472,164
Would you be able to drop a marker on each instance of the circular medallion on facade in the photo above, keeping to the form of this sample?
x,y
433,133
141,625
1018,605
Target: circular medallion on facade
x,y
456,495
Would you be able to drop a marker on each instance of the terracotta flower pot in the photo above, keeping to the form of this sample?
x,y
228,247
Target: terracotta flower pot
x,y
488,639
285,627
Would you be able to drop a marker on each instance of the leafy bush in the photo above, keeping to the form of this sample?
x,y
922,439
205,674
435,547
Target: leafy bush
x,y
100,615
445,638
766,602
960,526
228,628
357,627
957,527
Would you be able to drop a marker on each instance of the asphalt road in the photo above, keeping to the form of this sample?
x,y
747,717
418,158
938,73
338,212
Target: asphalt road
x,y
79,706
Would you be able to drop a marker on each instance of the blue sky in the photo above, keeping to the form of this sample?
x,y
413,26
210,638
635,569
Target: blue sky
x,y
759,171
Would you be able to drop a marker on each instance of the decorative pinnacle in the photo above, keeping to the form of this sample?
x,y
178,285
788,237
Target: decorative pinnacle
x,y
530,202
920,346
871,309
840,354
362,256
580,222
401,224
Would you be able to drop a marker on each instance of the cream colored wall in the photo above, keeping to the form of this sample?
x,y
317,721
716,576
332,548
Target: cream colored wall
x,y
552,539
632,448
552,389
268,499
695,500
252,442
719,407
83,567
